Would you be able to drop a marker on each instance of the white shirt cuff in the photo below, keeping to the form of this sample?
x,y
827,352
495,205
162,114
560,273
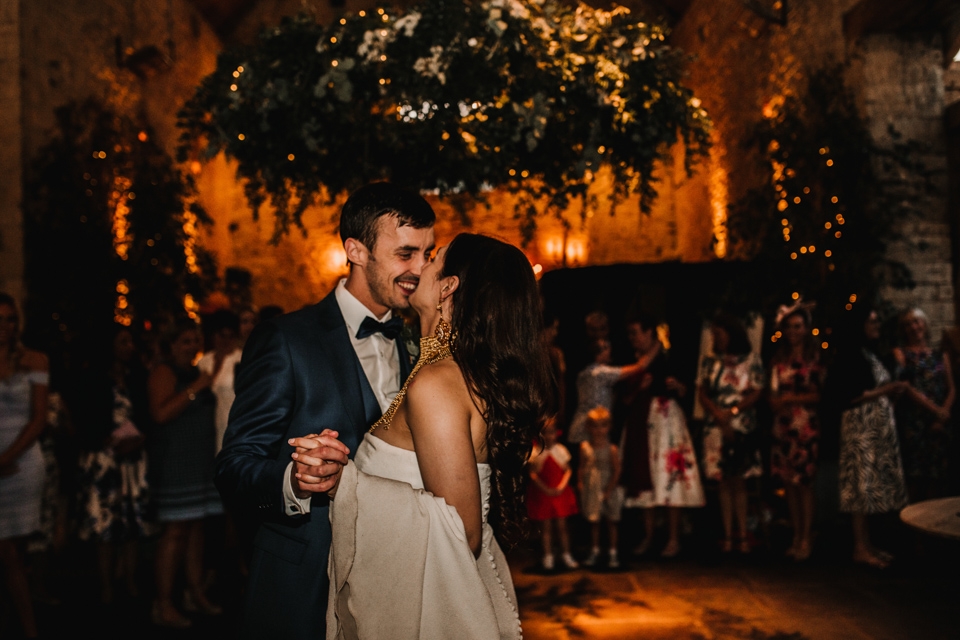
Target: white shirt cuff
x,y
292,505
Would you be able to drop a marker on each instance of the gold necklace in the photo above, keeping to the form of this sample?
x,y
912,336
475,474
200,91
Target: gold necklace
x,y
432,349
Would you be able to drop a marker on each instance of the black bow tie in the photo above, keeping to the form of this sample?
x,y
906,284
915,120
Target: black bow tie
x,y
390,329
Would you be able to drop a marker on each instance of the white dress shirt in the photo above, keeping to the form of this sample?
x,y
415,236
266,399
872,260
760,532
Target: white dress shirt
x,y
381,364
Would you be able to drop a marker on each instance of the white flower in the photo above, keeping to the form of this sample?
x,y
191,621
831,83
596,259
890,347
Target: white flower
x,y
374,44
407,23
472,42
432,66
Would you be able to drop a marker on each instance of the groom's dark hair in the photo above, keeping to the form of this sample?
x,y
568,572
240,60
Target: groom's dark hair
x,y
366,205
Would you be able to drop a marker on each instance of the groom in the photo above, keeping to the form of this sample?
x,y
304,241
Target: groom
x,y
335,365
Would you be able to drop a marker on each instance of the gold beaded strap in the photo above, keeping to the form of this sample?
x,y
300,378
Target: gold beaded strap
x,y
431,350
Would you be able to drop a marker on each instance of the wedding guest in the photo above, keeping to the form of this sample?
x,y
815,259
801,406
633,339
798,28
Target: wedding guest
x,y
109,410
248,321
655,424
871,473
730,384
181,454
923,417
598,477
550,498
219,362
595,387
24,379
551,328
597,325
796,378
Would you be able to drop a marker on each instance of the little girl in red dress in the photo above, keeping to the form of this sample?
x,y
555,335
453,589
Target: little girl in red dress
x,y
550,498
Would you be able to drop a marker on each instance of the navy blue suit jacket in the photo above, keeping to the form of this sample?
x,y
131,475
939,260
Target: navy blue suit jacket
x,y
299,375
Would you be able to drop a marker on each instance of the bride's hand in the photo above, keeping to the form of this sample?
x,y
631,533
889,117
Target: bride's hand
x,y
318,461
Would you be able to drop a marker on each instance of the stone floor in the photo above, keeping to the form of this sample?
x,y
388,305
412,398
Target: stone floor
x,y
699,595
740,598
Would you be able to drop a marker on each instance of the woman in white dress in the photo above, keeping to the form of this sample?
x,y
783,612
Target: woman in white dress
x,y
439,480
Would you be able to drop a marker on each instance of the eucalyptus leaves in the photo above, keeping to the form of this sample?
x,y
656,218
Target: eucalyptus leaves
x,y
455,97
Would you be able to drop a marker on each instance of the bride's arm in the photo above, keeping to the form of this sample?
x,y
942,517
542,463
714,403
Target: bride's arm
x,y
438,413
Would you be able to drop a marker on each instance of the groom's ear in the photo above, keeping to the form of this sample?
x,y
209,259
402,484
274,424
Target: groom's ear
x,y
356,251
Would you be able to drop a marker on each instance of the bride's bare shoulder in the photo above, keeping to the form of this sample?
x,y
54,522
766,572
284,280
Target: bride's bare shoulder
x,y
440,382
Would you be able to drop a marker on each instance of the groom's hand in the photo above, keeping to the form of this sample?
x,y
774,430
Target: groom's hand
x,y
317,462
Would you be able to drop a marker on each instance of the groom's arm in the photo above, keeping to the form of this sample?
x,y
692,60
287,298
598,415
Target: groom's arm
x,y
250,468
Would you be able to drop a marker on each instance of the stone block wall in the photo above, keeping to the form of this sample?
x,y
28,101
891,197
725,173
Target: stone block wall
x,y
743,62
902,95
11,220
66,51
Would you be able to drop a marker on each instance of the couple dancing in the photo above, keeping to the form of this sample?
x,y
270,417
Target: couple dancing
x,y
410,524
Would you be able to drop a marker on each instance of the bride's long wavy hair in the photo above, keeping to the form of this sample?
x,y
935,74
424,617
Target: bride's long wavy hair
x,y
497,320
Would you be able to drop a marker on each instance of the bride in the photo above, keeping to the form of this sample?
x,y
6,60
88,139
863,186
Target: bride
x,y
438,479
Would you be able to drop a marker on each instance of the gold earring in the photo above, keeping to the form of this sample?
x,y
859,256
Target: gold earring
x,y
442,332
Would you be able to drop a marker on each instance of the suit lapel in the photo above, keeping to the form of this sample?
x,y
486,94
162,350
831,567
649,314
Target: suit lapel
x,y
348,374
406,366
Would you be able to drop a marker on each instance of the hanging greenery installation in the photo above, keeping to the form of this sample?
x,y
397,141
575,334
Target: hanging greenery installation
x,y
453,97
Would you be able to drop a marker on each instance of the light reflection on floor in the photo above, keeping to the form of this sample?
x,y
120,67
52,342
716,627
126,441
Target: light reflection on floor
x,y
758,599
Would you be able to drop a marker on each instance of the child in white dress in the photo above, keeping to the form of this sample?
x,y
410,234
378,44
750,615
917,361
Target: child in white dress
x,y
601,497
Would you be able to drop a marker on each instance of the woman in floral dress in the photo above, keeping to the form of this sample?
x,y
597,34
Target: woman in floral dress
x,y
796,378
110,414
674,476
924,417
871,473
730,383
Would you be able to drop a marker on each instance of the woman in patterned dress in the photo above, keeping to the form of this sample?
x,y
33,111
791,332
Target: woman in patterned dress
x,y
871,473
924,417
796,378
181,462
674,479
24,379
730,383
109,410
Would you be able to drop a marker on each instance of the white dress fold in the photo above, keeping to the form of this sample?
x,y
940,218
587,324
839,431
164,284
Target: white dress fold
x,y
400,566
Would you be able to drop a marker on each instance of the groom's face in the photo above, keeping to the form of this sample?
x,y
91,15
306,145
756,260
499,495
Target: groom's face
x,y
396,262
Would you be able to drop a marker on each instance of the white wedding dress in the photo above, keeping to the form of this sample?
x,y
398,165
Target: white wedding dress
x,y
400,566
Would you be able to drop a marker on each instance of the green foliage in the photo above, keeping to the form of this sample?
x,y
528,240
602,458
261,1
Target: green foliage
x,y
456,97
832,243
96,160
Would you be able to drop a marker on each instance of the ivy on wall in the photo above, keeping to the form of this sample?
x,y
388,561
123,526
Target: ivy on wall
x,y
819,229
109,228
455,97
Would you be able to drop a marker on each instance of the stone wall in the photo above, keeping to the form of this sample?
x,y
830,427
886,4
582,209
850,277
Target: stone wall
x,y
11,220
744,62
902,97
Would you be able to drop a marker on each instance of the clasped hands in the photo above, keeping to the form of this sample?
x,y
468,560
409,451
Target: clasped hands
x,y
318,460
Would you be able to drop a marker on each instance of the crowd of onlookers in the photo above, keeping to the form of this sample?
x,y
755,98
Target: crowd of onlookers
x,y
747,427
116,450
120,449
